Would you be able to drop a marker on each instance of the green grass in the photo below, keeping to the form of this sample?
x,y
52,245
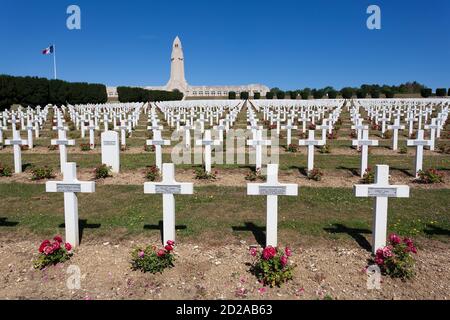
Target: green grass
x,y
222,211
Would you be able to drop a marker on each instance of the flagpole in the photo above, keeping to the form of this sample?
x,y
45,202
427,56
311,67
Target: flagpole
x,y
54,60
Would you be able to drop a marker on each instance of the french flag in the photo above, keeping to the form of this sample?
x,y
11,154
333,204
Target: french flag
x,y
48,50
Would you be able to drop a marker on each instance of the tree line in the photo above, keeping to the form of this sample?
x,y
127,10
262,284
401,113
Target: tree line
x,y
365,91
132,94
34,91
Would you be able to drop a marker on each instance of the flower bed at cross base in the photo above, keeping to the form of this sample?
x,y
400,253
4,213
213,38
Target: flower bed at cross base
x,y
396,259
153,260
271,266
51,253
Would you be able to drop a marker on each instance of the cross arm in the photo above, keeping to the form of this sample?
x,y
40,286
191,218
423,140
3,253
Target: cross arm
x,y
168,188
76,186
373,190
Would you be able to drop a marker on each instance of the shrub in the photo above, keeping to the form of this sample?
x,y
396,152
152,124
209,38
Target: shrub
x,y
231,95
51,253
425,92
368,177
271,267
448,93
387,134
305,94
124,148
201,174
281,94
347,93
257,96
42,173
315,174
332,94
389,93
153,260
5,171
24,148
325,149
403,150
353,134
269,95
244,95
361,94
149,148
318,94
102,172
333,135
52,147
302,135
152,173
255,175
312,126
396,259
430,176
85,147
292,148
293,95
375,94
441,92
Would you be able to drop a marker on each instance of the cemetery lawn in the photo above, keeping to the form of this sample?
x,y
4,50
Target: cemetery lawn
x,y
115,211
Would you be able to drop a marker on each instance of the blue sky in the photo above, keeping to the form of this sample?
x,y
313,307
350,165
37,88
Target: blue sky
x,y
288,44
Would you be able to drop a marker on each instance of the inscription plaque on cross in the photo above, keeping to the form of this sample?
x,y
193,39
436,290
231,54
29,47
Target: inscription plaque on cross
x,y
272,189
168,187
381,190
70,186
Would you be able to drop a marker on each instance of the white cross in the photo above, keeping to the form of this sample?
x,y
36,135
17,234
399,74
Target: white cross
x,y
288,128
359,127
364,143
158,141
70,186
91,128
123,127
324,127
396,126
258,142
272,189
207,142
310,143
220,129
168,187
419,143
62,142
381,190
432,127
411,118
187,135
16,142
30,128
1,133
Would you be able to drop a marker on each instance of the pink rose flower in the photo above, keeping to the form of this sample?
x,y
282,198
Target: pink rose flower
x,y
387,253
288,251
253,252
394,239
48,250
141,254
283,260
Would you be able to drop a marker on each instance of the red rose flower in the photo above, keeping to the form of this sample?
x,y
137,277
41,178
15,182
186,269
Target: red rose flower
x,y
161,253
68,246
288,251
58,238
269,253
44,244
171,242
48,250
283,260
168,248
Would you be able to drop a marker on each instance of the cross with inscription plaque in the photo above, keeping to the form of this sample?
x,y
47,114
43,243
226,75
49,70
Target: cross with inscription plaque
x,y
17,142
168,187
310,143
158,141
381,190
272,189
70,186
364,143
419,143
62,142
